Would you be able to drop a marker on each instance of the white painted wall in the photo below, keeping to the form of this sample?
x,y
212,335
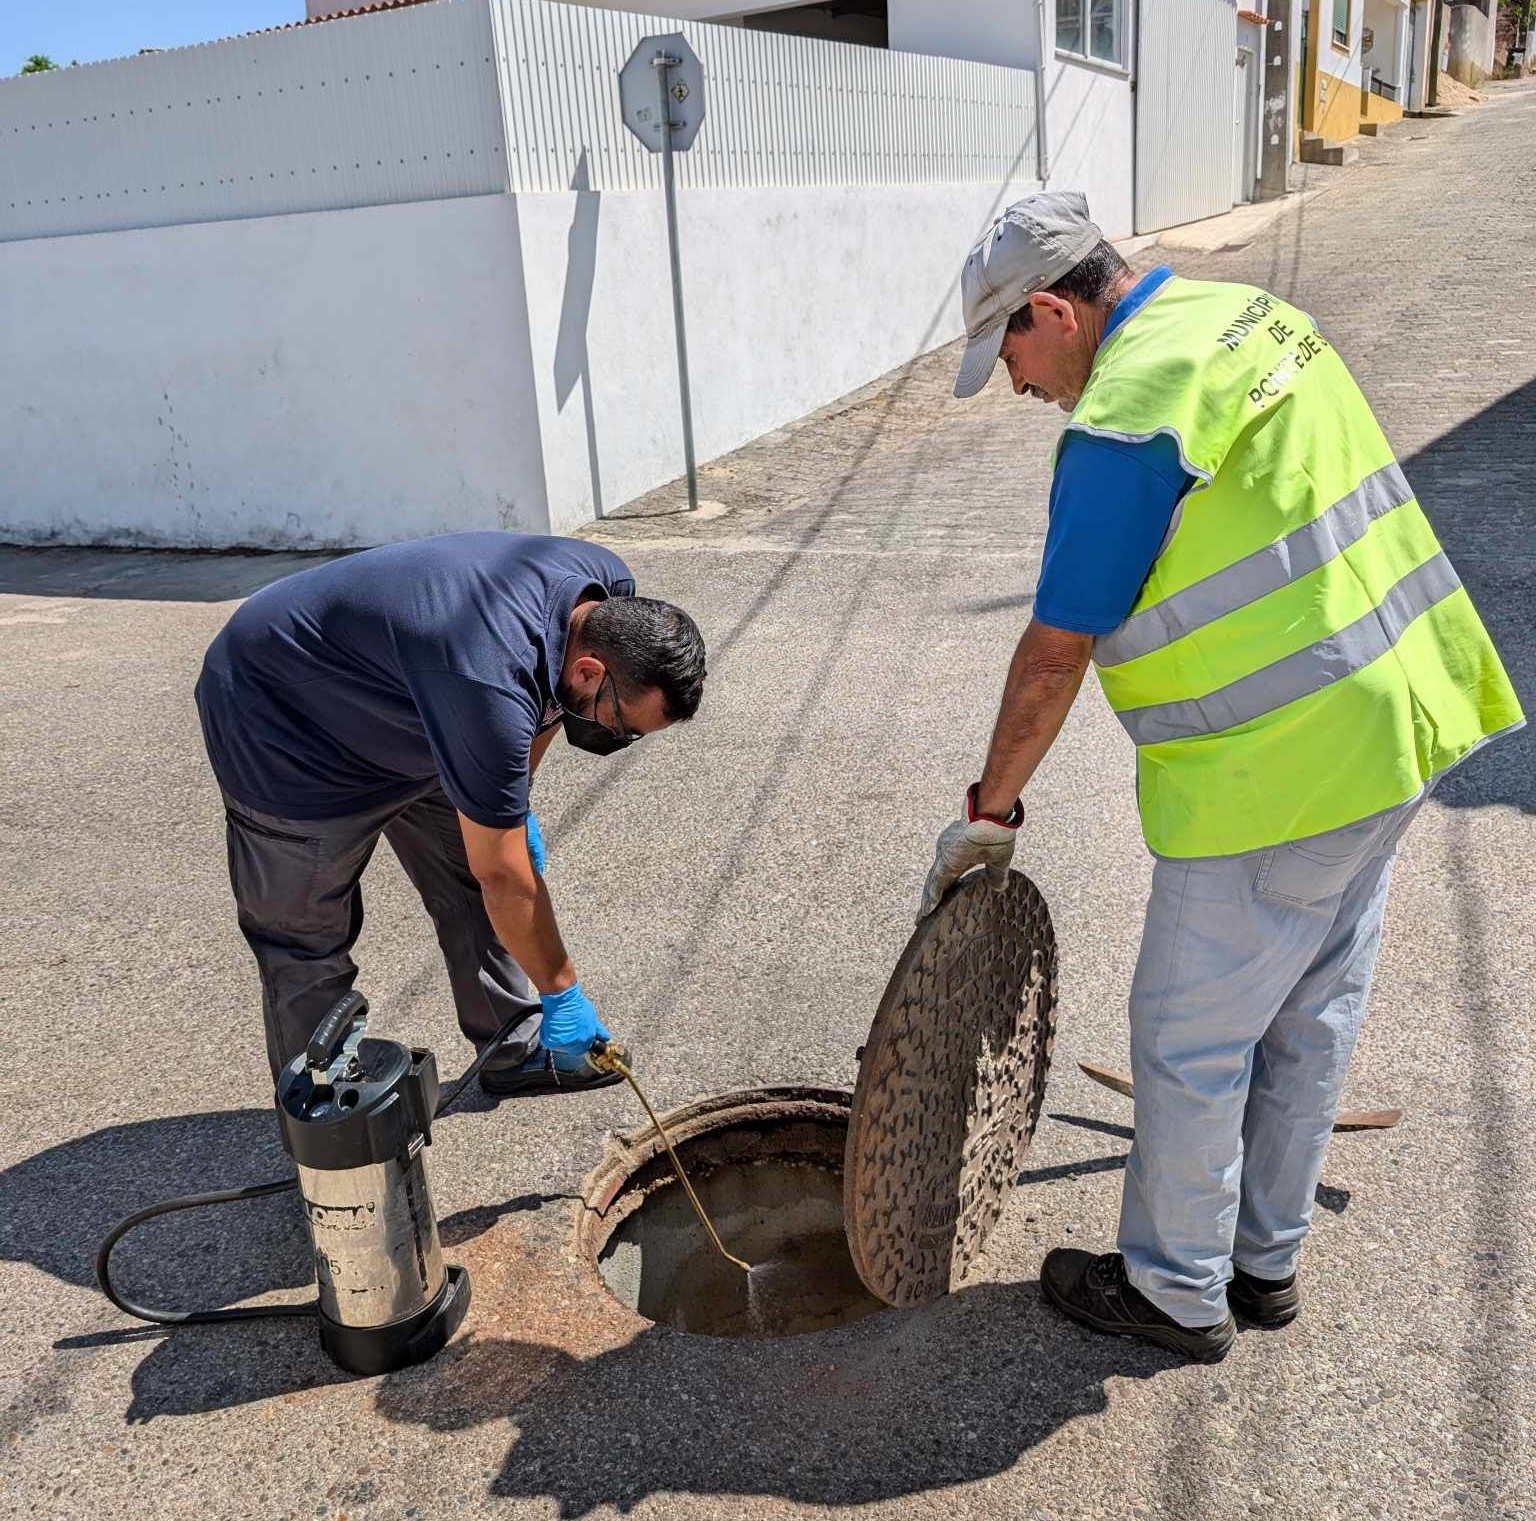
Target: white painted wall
x,y
794,297
1472,37
691,10
1090,109
471,97
987,31
328,378
780,110
1421,33
351,377
1338,62
398,106
1091,127
1387,56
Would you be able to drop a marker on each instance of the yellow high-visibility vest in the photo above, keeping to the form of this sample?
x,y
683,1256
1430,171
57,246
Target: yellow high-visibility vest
x,y
1302,655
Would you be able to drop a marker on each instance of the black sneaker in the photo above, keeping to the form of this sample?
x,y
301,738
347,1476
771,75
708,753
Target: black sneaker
x,y
543,1071
1095,1292
1266,1302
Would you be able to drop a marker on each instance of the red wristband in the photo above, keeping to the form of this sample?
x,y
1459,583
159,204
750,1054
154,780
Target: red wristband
x,y
973,814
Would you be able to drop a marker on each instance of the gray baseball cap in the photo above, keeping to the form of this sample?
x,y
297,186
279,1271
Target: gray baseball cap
x,y
1031,245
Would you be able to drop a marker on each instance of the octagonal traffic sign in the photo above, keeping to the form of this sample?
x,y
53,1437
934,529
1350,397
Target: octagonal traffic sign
x,y
640,91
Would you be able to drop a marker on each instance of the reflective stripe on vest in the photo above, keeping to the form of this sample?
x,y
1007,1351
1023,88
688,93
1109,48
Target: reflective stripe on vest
x,y
1295,676
1302,550
1301,654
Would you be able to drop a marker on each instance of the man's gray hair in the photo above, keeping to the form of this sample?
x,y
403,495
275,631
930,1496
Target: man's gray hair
x,y
1089,281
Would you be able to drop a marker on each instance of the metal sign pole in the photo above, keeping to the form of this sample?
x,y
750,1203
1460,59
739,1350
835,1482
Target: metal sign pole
x,y
662,63
665,112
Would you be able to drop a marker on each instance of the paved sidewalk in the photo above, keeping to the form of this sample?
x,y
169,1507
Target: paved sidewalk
x,y
737,892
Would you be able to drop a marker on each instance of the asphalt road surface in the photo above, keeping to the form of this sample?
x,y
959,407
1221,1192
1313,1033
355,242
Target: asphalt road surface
x,y
736,893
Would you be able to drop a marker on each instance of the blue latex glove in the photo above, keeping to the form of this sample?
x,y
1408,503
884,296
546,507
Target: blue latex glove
x,y
570,1024
536,844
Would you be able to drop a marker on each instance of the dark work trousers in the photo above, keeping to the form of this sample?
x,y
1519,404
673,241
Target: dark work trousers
x,y
297,885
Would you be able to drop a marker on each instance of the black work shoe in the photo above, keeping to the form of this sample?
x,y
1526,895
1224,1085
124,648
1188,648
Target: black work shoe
x,y
544,1071
1095,1292
1266,1302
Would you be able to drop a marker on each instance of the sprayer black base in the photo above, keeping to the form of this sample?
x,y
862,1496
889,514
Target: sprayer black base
x,y
381,1349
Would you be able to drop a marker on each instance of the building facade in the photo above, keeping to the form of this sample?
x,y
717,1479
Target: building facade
x,y
1365,63
406,271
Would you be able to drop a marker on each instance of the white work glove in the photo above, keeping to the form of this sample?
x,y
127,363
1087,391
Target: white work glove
x,y
975,839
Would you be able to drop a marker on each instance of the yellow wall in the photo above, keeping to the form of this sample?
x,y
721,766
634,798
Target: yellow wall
x,y
1379,109
1332,107
1336,111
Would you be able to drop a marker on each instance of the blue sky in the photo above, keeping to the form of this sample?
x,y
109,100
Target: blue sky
x,y
86,30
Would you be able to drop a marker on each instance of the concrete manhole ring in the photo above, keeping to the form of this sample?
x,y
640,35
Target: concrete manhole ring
x,y
950,1087
767,1164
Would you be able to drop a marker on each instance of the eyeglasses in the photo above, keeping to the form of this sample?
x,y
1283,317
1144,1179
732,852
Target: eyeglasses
x,y
622,735
592,734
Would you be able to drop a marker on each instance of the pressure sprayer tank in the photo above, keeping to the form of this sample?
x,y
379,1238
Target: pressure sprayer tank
x,y
356,1117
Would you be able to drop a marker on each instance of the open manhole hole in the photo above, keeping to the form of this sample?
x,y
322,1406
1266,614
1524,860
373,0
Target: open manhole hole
x,y
768,1166
845,1205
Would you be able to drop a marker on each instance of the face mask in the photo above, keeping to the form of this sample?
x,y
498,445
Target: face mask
x,y
592,735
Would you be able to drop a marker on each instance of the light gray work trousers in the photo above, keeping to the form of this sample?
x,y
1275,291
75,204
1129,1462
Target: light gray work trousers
x,y
1248,996
297,886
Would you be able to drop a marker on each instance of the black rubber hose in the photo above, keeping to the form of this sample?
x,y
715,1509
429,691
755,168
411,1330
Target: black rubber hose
x,y
232,1196
191,1317
447,1100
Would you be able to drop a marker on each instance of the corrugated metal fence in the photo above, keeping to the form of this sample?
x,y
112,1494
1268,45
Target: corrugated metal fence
x,y
394,107
471,97
781,110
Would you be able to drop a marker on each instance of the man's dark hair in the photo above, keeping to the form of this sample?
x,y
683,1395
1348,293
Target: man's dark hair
x,y
1089,282
646,643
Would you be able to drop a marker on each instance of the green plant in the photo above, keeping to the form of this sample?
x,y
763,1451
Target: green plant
x,y
38,63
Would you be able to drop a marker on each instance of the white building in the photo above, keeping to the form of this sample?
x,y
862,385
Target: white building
x,y
406,272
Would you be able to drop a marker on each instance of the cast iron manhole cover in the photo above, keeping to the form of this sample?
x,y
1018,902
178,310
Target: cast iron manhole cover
x,y
949,1088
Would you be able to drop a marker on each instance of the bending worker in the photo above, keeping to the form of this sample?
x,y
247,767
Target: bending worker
x,y
1234,546
411,691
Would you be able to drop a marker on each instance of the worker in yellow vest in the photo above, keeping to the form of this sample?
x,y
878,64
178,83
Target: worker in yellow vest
x,y
1234,546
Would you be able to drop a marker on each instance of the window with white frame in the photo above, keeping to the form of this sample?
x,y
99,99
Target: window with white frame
x,y
1092,29
1341,22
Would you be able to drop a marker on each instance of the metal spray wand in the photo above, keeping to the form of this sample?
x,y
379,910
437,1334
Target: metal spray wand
x,y
609,1056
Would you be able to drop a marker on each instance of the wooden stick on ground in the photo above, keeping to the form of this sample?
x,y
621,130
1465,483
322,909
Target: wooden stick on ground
x,y
1346,1119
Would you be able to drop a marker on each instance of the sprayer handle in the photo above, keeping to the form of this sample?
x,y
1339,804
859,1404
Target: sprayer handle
x,y
331,1030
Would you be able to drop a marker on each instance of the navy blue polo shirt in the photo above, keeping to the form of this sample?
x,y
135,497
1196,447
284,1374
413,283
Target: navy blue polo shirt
x,y
1111,504
346,687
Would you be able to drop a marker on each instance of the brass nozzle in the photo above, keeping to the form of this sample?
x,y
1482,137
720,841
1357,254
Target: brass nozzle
x,y
608,1056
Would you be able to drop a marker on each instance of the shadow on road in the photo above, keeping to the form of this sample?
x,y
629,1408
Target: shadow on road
x,y
56,1207
902,1404
147,575
1334,1200
1474,482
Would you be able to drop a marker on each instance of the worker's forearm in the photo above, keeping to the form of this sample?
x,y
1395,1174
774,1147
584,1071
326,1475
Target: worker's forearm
x,y
525,924
1043,682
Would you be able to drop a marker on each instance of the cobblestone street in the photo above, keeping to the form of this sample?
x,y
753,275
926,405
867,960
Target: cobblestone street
x,y
737,893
